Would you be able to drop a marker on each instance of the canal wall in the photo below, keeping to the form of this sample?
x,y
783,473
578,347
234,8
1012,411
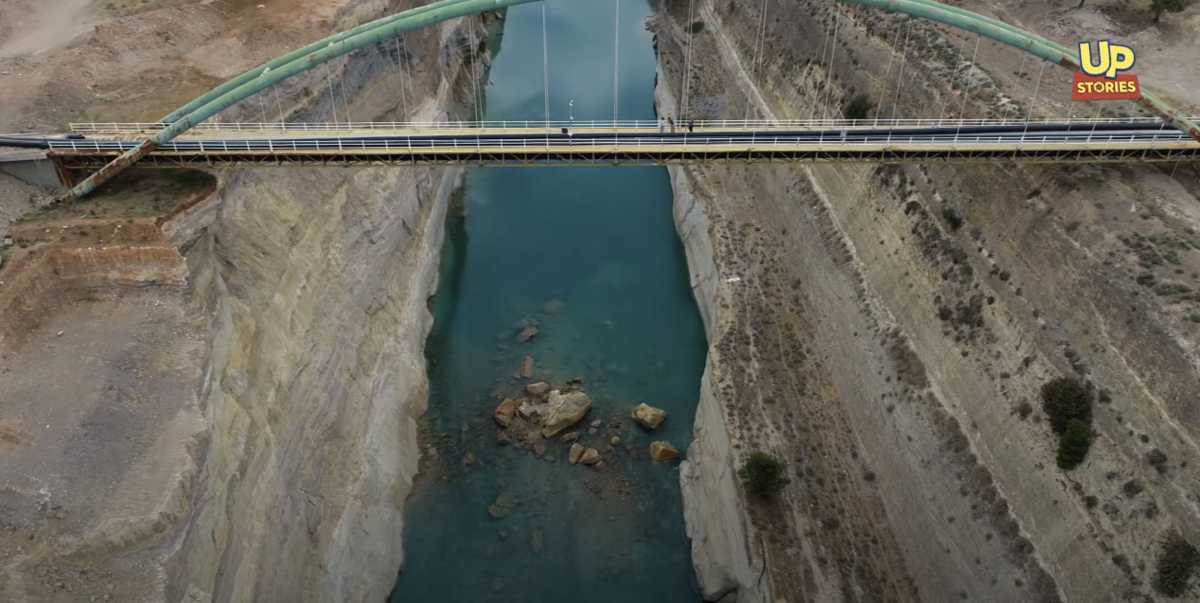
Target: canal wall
x,y
886,330
316,282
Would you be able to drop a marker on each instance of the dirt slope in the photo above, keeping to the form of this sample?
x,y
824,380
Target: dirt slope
x,y
885,350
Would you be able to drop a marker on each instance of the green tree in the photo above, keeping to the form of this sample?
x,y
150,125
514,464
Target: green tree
x,y
764,474
1066,398
1073,444
858,107
1167,6
1177,561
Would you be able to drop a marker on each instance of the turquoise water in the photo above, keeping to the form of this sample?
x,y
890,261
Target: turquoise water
x,y
591,256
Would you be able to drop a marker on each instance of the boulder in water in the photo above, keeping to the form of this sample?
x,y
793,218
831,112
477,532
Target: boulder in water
x,y
591,456
504,413
527,333
503,507
648,416
541,388
528,409
575,453
566,409
527,367
570,436
663,451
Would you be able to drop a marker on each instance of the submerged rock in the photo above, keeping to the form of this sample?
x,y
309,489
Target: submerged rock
x,y
469,458
591,456
576,451
570,436
504,413
503,507
541,388
529,409
537,540
615,441
663,451
527,367
648,416
527,333
566,409
554,306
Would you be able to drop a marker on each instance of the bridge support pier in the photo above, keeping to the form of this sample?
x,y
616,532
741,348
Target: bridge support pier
x,y
37,169
67,177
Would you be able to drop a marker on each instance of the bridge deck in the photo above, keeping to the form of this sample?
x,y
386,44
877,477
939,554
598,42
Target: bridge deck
x,y
637,142
1050,152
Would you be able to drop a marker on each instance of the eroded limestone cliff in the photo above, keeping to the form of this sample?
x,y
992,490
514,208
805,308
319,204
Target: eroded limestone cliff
x,y
882,328
317,281
259,414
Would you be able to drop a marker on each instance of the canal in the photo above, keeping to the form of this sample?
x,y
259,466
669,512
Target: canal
x,y
588,256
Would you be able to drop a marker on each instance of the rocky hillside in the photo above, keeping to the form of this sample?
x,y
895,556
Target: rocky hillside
x,y
288,464
887,330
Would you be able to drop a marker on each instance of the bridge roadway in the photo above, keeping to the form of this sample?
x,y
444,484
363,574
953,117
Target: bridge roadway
x,y
1103,140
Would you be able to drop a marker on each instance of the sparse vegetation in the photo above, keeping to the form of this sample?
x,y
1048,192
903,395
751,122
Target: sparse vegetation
x,y
764,475
696,27
1167,6
1024,409
1177,561
1073,445
1066,398
1068,404
858,107
1158,460
952,217
1132,488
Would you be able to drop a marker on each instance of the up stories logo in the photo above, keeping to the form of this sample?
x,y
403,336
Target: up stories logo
x,y
1101,77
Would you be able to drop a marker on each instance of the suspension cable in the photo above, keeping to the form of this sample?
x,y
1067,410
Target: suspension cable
x,y
545,69
903,62
687,65
1035,95
758,48
1020,68
883,81
962,113
345,99
400,68
837,21
332,100
816,101
1036,87
953,79
616,58
474,71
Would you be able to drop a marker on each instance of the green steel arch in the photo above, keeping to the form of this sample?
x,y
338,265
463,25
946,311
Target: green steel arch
x,y
296,54
264,76
1029,42
304,59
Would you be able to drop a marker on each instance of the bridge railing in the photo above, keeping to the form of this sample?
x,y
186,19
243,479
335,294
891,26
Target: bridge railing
x,y
659,125
404,145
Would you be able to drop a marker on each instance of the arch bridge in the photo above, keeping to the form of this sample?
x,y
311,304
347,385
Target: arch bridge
x,y
182,138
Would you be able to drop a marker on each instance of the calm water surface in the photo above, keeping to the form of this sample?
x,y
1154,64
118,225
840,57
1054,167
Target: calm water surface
x,y
590,255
